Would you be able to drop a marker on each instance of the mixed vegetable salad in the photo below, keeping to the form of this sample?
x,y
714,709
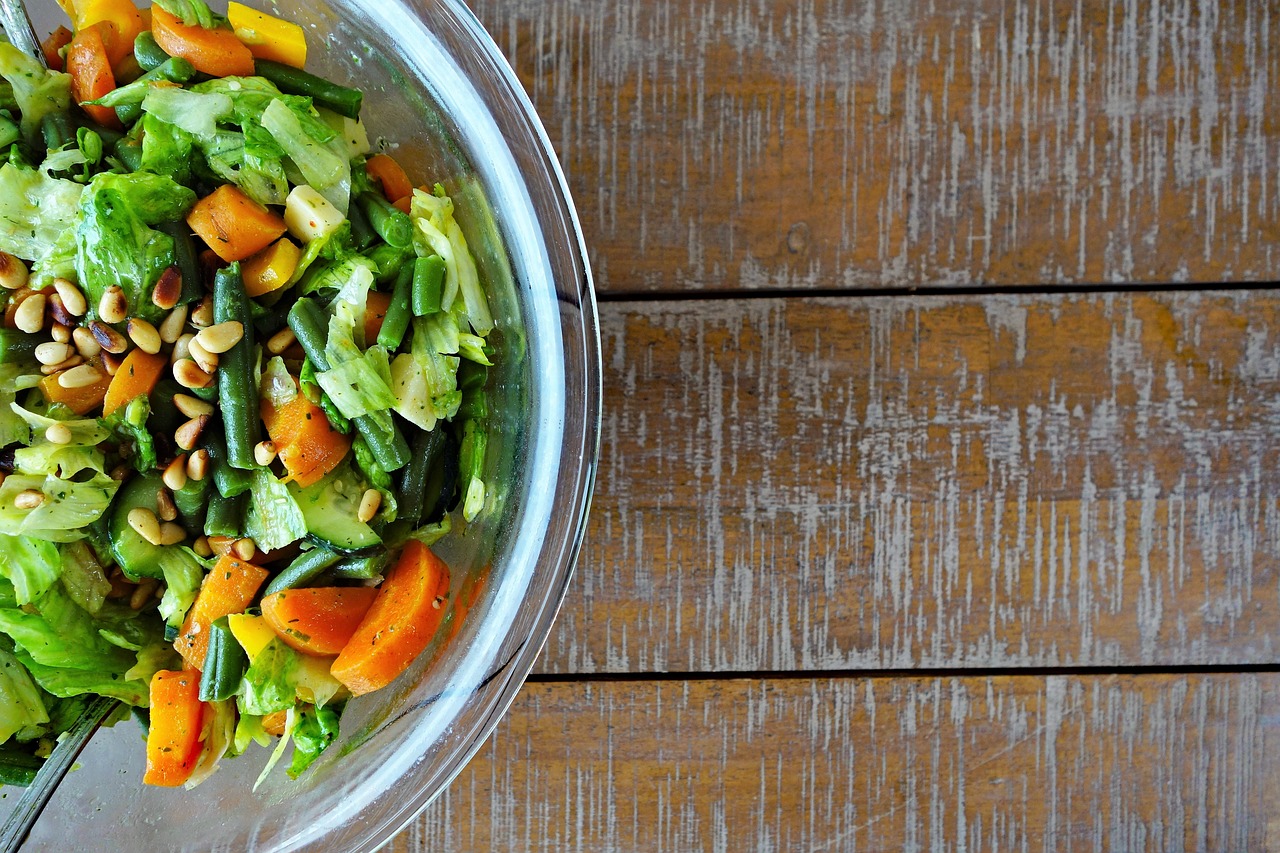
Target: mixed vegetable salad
x,y
242,371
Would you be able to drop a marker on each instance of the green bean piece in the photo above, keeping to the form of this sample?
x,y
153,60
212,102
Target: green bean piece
x,y
236,388
390,222
129,154
225,516
396,323
57,129
17,347
325,93
428,285
184,254
362,568
362,233
389,261
173,69
147,52
305,568
230,482
191,501
412,497
224,663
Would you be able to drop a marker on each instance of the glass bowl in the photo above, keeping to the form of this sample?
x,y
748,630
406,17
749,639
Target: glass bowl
x,y
439,90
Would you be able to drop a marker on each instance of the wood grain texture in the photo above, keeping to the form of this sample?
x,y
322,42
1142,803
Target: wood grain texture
x,y
986,764
723,144
826,483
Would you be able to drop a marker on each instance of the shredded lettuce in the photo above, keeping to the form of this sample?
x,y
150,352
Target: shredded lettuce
x,y
313,731
83,576
198,113
183,573
37,90
309,144
194,13
31,565
35,210
21,707
280,676
274,519
437,232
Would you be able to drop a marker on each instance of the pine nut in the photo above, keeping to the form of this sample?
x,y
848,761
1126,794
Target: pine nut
x,y
85,342
221,545
182,347
142,592
144,335
80,376
30,314
370,503
173,324
222,337
172,533
208,361
188,434
120,473
58,312
281,341
111,363
72,299
166,509
28,499
108,338
245,549
13,272
145,524
113,307
192,407
264,453
198,465
168,289
201,547
58,433
52,352
202,316
67,364
61,334
175,473
189,374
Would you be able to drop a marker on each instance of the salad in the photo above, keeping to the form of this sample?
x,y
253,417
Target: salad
x,y
242,391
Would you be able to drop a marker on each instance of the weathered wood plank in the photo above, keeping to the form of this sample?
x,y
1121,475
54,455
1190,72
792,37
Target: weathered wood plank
x,y
1058,764
825,483
851,143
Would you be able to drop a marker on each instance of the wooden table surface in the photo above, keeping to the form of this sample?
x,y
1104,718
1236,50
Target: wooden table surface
x,y
938,504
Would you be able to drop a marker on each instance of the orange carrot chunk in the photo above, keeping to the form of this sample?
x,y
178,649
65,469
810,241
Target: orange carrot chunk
x,y
80,400
375,311
228,588
177,716
317,620
52,47
233,225
306,443
400,623
136,377
91,77
216,51
388,172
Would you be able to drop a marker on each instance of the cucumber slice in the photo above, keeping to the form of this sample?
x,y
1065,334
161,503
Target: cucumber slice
x,y
330,509
135,556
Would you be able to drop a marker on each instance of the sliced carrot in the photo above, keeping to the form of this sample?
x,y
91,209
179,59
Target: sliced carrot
x,y
388,172
317,620
233,225
306,443
375,311
52,47
136,377
90,68
80,400
216,51
273,723
177,717
271,268
400,623
228,588
404,203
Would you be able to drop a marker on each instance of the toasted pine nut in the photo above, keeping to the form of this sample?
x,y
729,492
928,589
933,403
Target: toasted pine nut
x,y
120,473
171,533
201,547
72,299
13,272
172,325
108,338
245,549
30,314
188,434
370,503
28,499
145,524
208,361
198,465
221,545
58,433
80,376
85,342
52,352
61,334
222,337
168,289
192,407
281,341
111,363
264,453
113,307
58,312
202,314
166,509
175,473
144,335
189,374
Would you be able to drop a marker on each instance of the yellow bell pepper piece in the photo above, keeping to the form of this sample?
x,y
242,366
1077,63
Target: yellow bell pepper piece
x,y
251,632
271,268
267,36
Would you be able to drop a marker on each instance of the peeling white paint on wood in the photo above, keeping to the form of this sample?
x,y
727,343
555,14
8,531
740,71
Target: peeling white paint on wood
x,y
1030,481
756,143
1062,764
